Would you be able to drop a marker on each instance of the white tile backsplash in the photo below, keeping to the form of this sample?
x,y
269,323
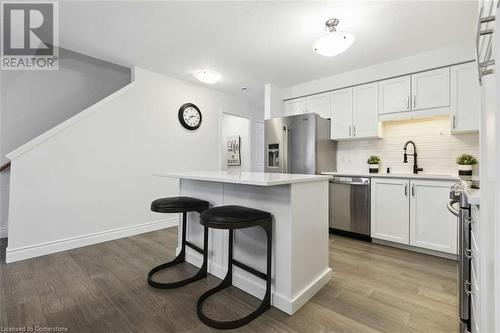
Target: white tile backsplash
x,y
437,148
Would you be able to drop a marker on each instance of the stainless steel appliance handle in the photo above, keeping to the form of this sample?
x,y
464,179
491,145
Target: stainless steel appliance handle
x,y
351,181
285,150
452,209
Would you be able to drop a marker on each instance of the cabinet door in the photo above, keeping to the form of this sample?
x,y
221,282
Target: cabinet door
x,y
390,210
365,111
430,89
341,114
319,104
294,106
465,98
432,226
394,95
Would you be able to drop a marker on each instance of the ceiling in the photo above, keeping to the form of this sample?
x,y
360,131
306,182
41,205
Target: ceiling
x,y
253,43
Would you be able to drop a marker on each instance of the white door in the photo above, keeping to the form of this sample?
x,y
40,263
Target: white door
x,y
365,111
341,114
430,89
394,95
465,98
390,210
431,224
294,106
319,104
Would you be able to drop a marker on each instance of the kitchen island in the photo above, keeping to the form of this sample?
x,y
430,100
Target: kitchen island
x,y
299,205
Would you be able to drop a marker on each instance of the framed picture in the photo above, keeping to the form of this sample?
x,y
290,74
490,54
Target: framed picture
x,y
233,151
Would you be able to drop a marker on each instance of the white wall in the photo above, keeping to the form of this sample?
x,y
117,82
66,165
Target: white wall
x,y
235,125
32,102
418,62
92,180
437,149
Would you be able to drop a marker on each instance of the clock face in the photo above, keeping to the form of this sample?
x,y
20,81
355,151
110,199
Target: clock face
x,y
190,116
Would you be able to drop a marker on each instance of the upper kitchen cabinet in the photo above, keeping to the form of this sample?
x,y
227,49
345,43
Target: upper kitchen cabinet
x,y
355,113
294,106
421,94
430,89
320,104
394,95
365,112
465,98
341,123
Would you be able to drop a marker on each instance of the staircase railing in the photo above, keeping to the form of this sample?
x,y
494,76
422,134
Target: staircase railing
x,y
5,166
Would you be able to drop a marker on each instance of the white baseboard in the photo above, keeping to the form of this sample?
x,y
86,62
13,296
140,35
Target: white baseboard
x,y
256,289
32,251
3,232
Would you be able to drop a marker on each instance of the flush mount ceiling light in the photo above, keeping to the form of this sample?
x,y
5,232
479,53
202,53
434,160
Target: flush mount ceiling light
x,y
208,76
335,42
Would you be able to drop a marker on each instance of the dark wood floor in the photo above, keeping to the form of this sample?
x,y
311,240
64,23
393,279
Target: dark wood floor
x,y
102,288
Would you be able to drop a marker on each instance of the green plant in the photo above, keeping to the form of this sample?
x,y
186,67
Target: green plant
x,y
374,159
466,159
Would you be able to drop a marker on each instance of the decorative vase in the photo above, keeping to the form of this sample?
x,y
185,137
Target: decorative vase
x,y
373,168
465,170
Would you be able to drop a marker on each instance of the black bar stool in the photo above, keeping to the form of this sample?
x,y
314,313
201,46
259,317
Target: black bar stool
x,y
237,217
181,205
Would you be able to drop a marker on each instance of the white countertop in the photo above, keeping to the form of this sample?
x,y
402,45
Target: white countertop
x,y
247,178
394,175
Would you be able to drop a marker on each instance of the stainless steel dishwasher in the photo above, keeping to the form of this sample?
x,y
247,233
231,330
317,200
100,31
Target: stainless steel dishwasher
x,y
350,207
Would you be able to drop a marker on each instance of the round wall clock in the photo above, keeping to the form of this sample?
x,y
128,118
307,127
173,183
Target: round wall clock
x,y
190,116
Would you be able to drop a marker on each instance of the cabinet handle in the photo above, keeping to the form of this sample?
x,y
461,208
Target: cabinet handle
x,y
413,190
406,190
414,101
349,130
454,122
354,130
408,102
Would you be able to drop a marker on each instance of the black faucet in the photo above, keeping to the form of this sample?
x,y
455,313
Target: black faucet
x,y
416,169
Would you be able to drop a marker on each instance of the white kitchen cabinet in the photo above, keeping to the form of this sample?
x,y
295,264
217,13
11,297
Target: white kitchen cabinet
x,y
294,106
430,89
466,103
341,123
416,92
365,111
390,209
431,225
394,95
320,104
355,113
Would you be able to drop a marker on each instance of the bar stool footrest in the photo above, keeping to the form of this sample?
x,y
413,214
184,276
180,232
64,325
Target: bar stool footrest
x,y
202,273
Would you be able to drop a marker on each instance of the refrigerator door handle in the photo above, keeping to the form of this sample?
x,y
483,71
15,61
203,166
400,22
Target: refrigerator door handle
x,y
285,149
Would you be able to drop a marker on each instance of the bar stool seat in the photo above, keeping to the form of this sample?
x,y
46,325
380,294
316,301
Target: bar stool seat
x,y
181,205
231,218
178,205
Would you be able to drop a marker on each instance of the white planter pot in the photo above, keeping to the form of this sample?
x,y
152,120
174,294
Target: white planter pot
x,y
465,170
373,168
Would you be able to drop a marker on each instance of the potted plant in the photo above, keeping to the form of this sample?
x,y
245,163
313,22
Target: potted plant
x,y
373,162
465,163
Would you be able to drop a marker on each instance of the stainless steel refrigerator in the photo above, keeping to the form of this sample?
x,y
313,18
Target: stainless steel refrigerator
x,y
299,144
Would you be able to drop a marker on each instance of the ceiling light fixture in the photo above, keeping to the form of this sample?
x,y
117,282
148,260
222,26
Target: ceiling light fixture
x,y
208,76
335,42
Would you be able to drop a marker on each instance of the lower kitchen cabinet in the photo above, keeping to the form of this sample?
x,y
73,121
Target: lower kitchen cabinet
x,y
413,212
431,225
390,209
